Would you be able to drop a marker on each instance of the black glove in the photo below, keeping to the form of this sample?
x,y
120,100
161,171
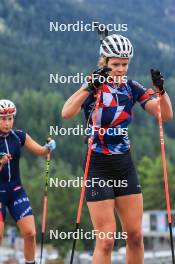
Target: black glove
x,y
96,81
100,72
158,80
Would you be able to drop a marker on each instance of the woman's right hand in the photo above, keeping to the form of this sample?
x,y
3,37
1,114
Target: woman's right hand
x,y
73,105
96,80
4,159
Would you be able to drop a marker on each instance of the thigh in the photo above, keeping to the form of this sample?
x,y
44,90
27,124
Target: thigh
x,y
96,184
2,219
19,205
130,210
127,177
27,225
2,212
102,215
97,189
1,229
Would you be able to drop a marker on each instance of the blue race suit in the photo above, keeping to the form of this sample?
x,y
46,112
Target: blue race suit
x,y
111,157
12,193
114,115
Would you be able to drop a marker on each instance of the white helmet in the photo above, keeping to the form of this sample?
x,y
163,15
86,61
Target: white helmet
x,y
116,46
7,107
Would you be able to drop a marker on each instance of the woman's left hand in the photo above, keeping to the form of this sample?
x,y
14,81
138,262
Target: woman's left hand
x,y
51,144
158,81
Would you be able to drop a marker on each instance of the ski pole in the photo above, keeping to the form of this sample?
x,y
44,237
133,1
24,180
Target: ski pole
x,y
102,34
85,174
45,204
162,143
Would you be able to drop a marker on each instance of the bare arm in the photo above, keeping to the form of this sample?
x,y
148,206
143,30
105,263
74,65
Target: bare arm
x,y
34,147
166,107
73,105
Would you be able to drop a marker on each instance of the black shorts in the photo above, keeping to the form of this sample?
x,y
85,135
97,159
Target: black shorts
x,y
110,176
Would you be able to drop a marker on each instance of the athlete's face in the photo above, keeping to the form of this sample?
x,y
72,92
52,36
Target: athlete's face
x,y
6,123
119,67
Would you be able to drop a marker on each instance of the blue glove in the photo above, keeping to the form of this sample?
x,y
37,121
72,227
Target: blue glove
x,y
51,145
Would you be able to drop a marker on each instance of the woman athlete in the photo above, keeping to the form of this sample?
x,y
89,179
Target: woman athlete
x,y
12,193
111,157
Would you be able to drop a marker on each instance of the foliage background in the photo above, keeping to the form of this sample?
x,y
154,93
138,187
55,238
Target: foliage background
x,y
29,53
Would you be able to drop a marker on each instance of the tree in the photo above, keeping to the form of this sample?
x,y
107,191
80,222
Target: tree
x,y
152,181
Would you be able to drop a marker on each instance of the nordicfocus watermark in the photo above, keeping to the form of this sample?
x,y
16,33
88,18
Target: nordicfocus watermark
x,y
80,234
79,78
81,26
79,182
79,130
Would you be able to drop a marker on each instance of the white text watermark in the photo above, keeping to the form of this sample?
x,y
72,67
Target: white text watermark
x,y
79,182
81,234
81,26
79,78
79,130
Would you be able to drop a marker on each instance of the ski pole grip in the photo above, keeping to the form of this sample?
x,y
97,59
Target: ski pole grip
x,y
48,139
48,155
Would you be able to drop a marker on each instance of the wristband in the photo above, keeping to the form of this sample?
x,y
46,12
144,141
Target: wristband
x,y
162,92
89,88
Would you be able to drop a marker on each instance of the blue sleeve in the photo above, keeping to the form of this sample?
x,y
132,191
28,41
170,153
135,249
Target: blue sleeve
x,y
22,136
87,102
140,94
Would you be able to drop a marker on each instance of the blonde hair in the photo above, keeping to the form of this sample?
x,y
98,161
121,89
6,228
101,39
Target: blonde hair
x,y
102,61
